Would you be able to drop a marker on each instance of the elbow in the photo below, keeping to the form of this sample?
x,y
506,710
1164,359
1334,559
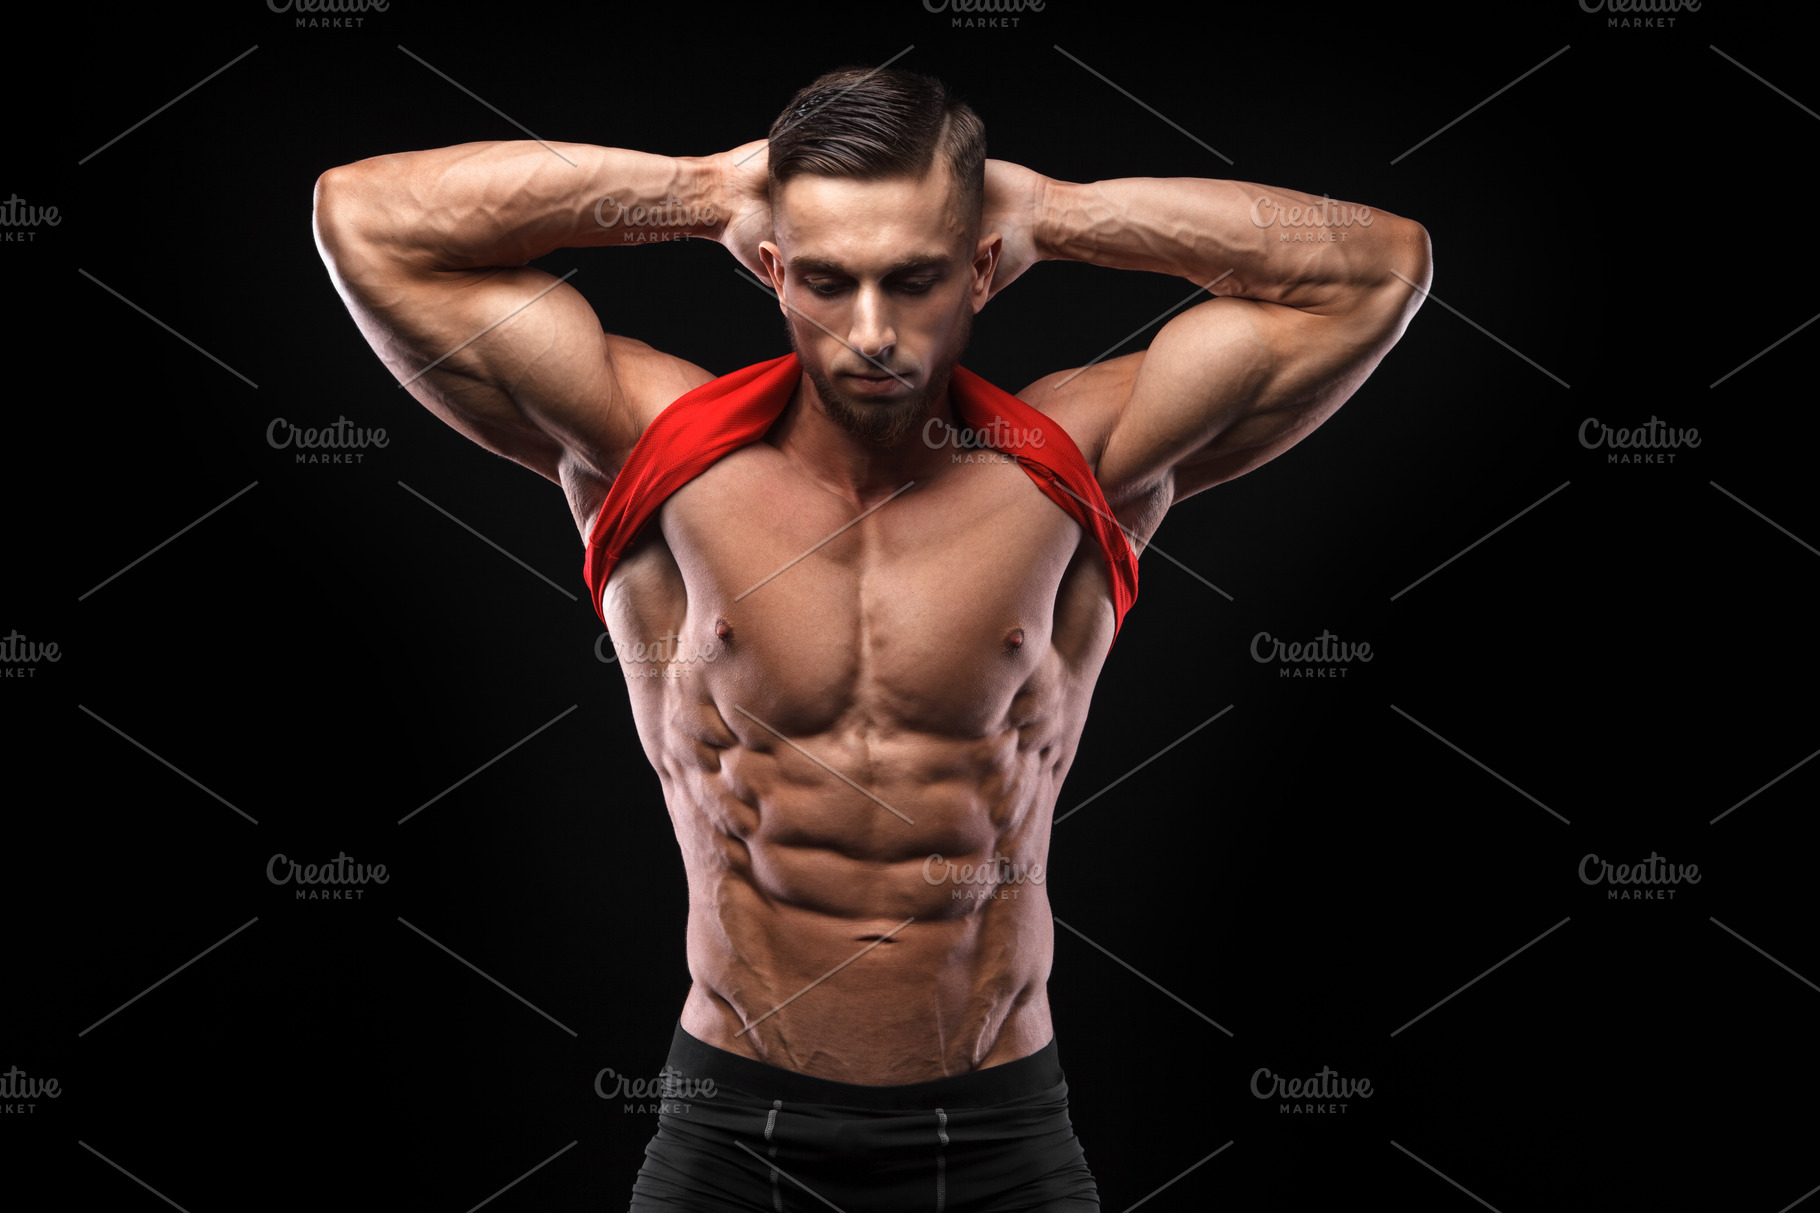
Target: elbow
x,y
330,213
348,216
1413,254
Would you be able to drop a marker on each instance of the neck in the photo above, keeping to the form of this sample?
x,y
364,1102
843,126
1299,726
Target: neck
x,y
862,471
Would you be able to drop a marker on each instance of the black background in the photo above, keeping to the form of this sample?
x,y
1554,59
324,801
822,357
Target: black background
x,y
1312,870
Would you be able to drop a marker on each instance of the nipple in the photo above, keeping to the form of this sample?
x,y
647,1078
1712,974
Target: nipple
x,y
1014,640
723,630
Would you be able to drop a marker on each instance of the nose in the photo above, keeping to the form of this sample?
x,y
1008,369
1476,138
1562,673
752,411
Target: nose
x,y
871,329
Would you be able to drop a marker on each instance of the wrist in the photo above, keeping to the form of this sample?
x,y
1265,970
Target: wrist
x,y
1050,207
703,181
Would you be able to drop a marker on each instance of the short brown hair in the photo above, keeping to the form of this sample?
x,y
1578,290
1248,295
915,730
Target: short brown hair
x,y
871,124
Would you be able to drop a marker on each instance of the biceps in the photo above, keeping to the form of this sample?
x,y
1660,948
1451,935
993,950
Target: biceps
x,y
1234,383
512,358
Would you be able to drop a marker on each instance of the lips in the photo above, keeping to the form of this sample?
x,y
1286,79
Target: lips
x,y
876,382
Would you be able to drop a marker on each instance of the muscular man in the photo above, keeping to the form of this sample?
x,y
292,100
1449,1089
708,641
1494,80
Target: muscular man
x,y
845,704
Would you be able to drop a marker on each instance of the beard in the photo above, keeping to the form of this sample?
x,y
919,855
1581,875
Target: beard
x,y
882,423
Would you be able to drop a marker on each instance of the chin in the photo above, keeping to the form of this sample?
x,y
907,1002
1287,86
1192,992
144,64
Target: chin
x,y
888,421
882,422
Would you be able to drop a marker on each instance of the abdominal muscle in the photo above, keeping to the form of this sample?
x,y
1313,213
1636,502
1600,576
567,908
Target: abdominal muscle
x,y
829,937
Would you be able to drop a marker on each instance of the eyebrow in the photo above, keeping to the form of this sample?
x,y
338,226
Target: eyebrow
x,y
915,261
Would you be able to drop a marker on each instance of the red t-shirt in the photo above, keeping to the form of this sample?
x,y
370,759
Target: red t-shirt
x,y
717,418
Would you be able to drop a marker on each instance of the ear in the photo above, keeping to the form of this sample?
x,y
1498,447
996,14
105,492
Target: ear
x,y
986,256
773,260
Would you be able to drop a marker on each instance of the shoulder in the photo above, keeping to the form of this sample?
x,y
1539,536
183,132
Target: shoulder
x,y
1086,402
648,380
643,382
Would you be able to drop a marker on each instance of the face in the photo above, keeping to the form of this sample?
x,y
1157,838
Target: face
x,y
880,281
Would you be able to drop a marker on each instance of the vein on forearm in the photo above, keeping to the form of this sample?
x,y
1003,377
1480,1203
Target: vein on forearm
x,y
483,205
1199,229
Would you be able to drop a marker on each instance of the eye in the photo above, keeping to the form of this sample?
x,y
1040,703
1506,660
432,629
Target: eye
x,y
916,286
824,289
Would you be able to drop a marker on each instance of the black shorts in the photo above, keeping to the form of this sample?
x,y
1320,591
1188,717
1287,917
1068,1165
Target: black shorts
x,y
769,1140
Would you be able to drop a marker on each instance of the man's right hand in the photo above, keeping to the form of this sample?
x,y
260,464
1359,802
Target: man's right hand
x,y
744,193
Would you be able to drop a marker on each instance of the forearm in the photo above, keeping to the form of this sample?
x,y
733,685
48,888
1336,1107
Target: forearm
x,y
479,205
1276,245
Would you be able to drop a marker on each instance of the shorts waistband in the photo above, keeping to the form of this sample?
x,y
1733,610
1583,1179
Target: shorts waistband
x,y
696,1059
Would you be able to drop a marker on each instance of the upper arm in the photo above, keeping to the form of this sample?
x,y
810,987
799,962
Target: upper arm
x,y
1232,383
516,358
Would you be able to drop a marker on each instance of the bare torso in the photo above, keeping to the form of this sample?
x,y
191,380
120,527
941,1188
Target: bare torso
x,y
939,655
